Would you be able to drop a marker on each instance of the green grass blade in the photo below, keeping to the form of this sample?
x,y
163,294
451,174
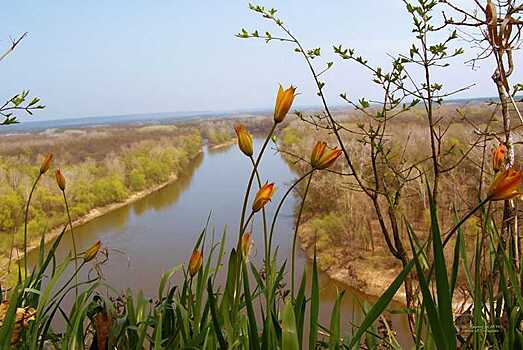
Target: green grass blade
x,y
456,260
315,305
289,334
299,308
335,335
9,320
442,284
253,329
428,301
214,316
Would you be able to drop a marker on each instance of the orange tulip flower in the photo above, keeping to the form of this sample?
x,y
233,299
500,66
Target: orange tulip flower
x,y
195,263
263,196
46,164
284,101
506,185
321,159
244,139
60,179
498,157
317,152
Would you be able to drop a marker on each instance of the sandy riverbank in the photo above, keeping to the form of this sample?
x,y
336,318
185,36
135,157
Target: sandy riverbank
x,y
52,234
369,273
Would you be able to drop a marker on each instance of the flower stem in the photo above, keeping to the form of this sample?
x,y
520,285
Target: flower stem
x,y
26,219
251,215
462,221
293,261
280,205
249,185
64,287
72,235
265,241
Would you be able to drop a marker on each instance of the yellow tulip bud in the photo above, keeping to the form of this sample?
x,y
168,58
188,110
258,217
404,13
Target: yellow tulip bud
x,y
498,157
195,263
284,101
263,196
60,179
246,244
91,253
46,163
244,139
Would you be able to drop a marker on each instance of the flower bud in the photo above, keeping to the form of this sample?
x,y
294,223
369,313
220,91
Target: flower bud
x,y
263,196
46,163
195,263
498,157
284,101
91,253
321,159
60,179
246,244
506,185
244,139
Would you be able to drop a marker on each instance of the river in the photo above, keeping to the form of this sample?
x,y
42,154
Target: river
x,y
151,235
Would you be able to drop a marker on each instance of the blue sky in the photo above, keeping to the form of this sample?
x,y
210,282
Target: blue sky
x,y
121,57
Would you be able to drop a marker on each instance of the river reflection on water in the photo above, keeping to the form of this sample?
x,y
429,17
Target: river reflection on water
x,y
151,235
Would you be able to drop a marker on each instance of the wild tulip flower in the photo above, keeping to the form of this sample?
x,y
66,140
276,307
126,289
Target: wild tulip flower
x,y
195,263
317,152
506,185
244,139
91,253
321,159
60,179
498,157
246,244
46,163
284,101
263,196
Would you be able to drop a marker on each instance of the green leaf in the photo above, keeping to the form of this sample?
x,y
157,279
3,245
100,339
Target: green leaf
x,y
289,334
315,305
442,283
165,278
335,336
428,302
253,329
214,315
299,308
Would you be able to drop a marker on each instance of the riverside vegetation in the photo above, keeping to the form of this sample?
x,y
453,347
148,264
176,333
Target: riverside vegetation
x,y
364,157
340,223
104,166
